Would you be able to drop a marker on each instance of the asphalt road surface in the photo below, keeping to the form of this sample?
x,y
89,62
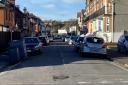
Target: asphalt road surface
x,y
60,65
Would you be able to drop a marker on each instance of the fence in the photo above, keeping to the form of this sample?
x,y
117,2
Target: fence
x,y
5,38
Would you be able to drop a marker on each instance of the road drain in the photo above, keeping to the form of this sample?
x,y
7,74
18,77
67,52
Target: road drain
x,y
60,77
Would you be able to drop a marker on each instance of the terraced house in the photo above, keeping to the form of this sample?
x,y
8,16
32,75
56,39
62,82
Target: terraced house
x,y
109,18
7,16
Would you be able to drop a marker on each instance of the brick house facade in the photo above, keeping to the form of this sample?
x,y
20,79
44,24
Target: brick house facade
x,y
7,16
99,18
109,17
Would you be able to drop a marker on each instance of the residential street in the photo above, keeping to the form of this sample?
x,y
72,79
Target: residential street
x,y
60,65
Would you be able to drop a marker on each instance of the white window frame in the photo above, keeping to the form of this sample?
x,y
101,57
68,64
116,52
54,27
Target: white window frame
x,y
107,24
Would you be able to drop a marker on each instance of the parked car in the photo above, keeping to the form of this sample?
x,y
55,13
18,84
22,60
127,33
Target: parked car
x,y
47,39
93,45
32,44
123,44
57,37
72,40
66,39
44,40
77,43
50,38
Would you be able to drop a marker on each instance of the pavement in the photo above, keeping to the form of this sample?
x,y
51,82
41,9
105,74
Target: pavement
x,y
4,60
117,57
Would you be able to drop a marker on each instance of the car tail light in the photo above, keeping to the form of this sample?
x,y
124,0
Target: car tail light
x,y
104,46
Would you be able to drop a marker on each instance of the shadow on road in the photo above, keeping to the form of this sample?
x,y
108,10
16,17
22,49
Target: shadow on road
x,y
55,54
113,53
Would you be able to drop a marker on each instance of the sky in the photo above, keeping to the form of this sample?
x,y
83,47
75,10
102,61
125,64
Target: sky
x,y
53,9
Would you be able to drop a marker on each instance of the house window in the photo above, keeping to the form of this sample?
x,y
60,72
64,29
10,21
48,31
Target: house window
x,y
99,24
107,24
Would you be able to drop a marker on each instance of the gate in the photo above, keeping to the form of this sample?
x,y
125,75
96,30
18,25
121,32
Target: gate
x,y
5,38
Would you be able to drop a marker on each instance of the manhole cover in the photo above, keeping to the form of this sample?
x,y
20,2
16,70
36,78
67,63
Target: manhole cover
x,y
60,77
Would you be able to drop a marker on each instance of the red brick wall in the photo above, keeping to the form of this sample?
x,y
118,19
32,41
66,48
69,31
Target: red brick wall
x,y
10,18
104,23
1,16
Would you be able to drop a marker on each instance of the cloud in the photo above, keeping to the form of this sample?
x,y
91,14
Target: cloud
x,y
53,9
49,6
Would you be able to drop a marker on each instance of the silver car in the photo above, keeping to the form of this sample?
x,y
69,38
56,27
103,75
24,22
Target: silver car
x,y
32,45
93,45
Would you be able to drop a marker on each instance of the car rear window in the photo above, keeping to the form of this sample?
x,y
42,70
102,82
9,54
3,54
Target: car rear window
x,y
31,40
95,40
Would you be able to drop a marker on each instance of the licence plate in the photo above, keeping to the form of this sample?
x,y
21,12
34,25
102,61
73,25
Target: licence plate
x,y
29,51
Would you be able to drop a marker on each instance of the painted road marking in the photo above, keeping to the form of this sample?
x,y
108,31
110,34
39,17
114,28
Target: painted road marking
x,y
119,66
106,82
102,82
3,73
84,82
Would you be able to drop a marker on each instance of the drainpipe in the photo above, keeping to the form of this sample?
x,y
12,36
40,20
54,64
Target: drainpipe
x,y
113,13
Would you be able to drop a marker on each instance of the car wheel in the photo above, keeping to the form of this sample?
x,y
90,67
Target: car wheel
x,y
39,51
81,53
123,49
105,55
76,50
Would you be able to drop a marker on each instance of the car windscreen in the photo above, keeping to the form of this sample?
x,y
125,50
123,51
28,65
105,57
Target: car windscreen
x,y
31,40
126,37
95,40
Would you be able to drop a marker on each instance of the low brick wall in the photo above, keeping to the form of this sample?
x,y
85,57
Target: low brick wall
x,y
111,45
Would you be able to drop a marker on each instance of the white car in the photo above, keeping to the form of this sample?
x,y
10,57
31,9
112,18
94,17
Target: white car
x,y
72,40
47,39
93,45
50,38
67,38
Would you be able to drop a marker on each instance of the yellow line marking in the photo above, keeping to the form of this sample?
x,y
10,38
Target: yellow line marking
x,y
119,66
